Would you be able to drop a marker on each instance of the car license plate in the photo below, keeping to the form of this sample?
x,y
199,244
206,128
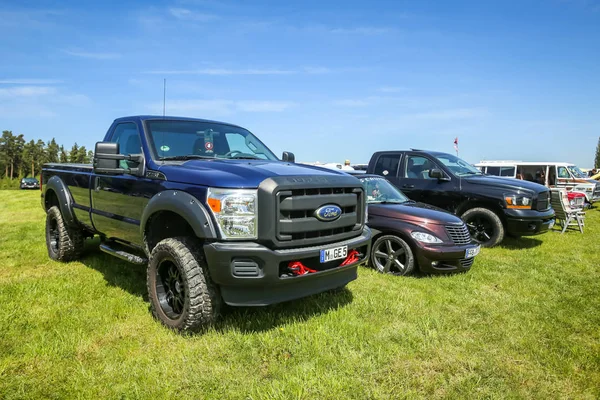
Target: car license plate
x,y
334,254
470,253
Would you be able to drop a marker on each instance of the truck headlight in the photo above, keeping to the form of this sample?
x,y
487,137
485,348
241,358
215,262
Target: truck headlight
x,y
235,211
425,237
515,201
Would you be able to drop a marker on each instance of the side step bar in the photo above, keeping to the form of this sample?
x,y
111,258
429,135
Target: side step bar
x,y
123,255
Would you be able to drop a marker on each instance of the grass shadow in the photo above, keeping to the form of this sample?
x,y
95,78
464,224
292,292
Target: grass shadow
x,y
513,243
116,272
259,319
132,278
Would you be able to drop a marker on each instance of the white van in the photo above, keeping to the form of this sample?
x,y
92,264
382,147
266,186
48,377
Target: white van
x,y
550,174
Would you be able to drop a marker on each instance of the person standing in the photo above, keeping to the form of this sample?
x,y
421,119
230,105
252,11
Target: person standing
x,y
347,166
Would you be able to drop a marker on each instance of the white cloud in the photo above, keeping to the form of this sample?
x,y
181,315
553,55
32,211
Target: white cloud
x,y
29,81
219,107
263,106
459,113
26,91
352,102
363,30
92,55
185,14
392,89
223,71
37,101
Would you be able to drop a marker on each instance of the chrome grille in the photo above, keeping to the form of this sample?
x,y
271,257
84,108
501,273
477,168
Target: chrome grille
x,y
296,209
459,234
543,201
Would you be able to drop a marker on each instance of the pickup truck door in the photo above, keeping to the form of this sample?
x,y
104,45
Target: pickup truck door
x,y
418,186
119,200
387,164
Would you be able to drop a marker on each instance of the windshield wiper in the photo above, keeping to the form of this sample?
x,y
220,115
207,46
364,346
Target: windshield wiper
x,y
246,157
183,158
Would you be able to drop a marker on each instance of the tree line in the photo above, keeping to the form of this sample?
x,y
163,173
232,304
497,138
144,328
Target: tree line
x,y
22,158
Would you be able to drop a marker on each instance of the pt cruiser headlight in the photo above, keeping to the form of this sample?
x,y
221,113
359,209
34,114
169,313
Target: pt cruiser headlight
x,y
425,237
235,211
515,201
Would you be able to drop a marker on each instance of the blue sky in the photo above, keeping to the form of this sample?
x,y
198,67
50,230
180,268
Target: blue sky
x,y
326,80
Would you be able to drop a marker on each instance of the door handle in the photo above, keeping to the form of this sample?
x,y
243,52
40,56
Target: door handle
x,y
408,186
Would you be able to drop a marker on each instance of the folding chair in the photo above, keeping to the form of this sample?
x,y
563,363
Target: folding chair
x,y
565,215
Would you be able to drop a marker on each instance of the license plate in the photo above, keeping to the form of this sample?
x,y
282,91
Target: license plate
x,y
470,253
334,254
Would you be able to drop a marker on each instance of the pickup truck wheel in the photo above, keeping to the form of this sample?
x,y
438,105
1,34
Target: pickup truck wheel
x,y
182,295
63,242
392,255
484,226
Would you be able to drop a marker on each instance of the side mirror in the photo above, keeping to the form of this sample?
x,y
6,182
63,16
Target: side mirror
x,y
436,174
101,161
107,157
288,157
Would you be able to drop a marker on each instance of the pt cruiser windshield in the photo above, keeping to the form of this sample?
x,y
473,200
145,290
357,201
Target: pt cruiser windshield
x,y
186,140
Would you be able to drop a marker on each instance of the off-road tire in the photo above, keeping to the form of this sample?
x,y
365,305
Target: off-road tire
x,y
491,219
200,303
64,243
399,249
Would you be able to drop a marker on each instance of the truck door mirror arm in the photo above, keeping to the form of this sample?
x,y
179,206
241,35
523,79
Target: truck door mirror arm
x,y
437,174
288,157
107,157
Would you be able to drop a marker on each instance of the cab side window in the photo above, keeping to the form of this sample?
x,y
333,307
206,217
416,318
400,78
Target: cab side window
x,y
418,167
563,173
387,165
127,136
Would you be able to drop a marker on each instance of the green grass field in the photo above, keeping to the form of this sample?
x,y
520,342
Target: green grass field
x,y
523,323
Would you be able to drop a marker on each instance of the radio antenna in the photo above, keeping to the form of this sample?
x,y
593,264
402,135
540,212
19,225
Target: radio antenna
x,y
164,96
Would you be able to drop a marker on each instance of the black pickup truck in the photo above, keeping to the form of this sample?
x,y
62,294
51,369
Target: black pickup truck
x,y
490,206
214,214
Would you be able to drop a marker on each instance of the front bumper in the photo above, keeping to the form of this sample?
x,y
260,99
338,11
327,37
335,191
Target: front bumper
x,y
528,222
443,259
249,274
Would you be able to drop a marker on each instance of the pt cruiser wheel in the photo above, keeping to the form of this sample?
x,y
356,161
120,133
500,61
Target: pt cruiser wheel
x,y
484,226
392,255
182,295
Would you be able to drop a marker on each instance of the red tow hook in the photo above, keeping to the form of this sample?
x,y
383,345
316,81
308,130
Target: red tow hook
x,y
353,257
297,268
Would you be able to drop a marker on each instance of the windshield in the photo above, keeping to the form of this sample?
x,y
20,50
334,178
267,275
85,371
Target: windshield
x,y
577,173
379,190
30,180
182,140
457,166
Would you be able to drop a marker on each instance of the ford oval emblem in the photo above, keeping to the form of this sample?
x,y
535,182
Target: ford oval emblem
x,y
328,213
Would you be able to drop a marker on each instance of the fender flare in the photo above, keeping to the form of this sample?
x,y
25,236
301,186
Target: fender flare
x,y
185,205
65,201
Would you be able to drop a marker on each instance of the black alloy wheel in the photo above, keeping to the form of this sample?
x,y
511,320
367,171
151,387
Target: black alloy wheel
x,y
392,255
170,288
53,234
484,226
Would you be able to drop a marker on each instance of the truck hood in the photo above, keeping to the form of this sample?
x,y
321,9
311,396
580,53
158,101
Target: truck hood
x,y
416,213
237,173
507,183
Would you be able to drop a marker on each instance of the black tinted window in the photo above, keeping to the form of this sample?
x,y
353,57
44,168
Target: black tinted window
x,y
493,171
127,136
387,165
